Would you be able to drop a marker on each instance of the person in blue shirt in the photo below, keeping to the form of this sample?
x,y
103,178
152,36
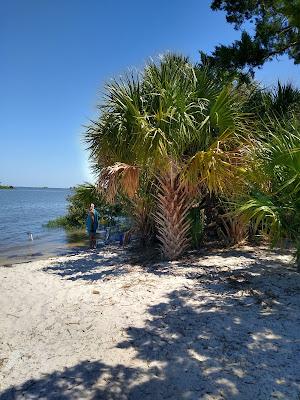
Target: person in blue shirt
x,y
92,225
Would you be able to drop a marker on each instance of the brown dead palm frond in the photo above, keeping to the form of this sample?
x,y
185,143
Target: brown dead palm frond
x,y
117,177
235,228
143,219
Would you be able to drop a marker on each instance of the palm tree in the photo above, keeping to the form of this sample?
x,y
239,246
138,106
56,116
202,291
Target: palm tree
x,y
284,99
274,199
171,132
280,101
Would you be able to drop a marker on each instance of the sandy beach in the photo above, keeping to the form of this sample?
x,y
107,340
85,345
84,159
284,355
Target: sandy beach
x,y
101,325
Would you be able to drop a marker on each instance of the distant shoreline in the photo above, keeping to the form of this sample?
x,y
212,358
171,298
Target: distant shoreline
x,y
6,187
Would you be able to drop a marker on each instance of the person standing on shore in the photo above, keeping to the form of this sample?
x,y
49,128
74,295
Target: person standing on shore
x,y
92,225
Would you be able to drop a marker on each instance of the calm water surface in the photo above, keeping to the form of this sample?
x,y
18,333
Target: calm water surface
x,y
26,210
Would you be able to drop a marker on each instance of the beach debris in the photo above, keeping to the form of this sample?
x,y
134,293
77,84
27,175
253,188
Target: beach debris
x,y
95,291
3,361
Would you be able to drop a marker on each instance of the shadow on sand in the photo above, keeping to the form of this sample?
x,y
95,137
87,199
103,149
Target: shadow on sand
x,y
90,266
232,337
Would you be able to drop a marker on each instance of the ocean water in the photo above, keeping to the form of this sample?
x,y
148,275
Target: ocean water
x,y
24,212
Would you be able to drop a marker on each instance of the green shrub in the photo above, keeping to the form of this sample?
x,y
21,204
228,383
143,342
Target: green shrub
x,y
79,202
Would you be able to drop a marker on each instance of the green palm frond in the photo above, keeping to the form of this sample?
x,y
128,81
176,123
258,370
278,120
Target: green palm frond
x,y
264,214
273,204
279,152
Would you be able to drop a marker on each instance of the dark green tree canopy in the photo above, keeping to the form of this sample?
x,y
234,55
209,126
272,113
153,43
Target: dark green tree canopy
x,y
276,26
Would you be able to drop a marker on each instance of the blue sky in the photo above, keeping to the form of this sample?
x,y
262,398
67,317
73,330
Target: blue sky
x,y
56,56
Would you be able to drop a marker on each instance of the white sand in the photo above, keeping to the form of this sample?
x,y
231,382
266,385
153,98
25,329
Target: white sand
x,y
94,326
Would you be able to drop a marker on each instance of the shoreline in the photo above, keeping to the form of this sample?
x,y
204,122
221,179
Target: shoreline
x,y
99,324
25,259
43,251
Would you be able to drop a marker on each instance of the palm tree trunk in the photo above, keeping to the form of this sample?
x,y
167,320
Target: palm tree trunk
x,y
171,215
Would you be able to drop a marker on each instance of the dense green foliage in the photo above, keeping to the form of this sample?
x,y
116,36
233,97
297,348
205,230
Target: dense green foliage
x,y
276,103
276,26
79,203
6,187
178,134
273,202
176,130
